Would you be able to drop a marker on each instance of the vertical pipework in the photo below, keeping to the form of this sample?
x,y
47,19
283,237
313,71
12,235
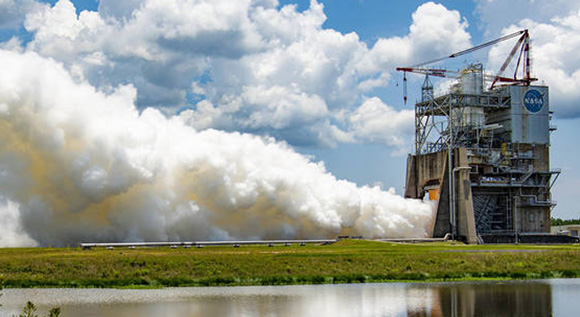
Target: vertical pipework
x,y
417,133
527,53
451,193
450,174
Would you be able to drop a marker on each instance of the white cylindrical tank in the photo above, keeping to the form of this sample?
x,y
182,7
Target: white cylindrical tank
x,y
471,80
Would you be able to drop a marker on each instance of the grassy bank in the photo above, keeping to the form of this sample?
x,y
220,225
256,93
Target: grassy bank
x,y
349,261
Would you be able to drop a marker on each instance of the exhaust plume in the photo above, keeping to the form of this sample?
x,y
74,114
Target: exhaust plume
x,y
77,164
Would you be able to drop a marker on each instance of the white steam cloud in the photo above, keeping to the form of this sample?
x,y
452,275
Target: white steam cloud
x,y
77,164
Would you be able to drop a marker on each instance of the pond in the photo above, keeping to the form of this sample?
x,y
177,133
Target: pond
x,y
557,297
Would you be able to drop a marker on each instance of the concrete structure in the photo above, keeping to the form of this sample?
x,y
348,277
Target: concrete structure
x,y
483,156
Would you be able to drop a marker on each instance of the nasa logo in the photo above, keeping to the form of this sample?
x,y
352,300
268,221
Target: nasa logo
x,y
533,101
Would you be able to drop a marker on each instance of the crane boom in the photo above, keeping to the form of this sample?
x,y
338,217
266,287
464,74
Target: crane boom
x,y
475,48
523,45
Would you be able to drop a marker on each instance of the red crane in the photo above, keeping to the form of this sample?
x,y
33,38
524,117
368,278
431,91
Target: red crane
x,y
522,45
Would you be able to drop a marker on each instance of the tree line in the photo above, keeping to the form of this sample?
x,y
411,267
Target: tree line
x,y
563,222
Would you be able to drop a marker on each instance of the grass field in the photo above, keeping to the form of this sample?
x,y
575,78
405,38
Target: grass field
x,y
347,261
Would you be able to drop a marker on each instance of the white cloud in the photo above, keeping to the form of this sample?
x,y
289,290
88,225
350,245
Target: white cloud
x,y
13,12
250,66
435,32
376,122
496,15
119,10
555,61
13,44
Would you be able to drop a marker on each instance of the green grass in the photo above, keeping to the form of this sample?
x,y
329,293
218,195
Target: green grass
x,y
348,261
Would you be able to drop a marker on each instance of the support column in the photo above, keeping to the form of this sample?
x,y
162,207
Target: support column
x,y
465,217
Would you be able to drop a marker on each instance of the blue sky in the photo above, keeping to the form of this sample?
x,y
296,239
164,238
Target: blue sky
x,y
322,105
373,19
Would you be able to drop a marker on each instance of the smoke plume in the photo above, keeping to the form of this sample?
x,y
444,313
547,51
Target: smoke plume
x,y
77,164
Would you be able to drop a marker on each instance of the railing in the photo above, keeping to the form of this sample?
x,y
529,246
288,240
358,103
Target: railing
x,y
189,244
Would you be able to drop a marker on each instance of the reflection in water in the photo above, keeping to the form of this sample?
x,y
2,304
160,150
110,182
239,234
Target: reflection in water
x,y
513,298
484,299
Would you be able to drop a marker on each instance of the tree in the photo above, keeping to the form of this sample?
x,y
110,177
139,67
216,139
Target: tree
x,y
561,222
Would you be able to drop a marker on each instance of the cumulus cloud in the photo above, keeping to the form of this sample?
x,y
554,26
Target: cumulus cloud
x,y
378,123
78,164
251,66
435,32
13,12
119,10
555,61
496,15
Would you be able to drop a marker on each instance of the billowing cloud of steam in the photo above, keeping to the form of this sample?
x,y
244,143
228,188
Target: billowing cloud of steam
x,y
77,164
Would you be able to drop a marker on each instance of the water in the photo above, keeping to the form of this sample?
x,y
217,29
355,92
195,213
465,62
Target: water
x,y
558,297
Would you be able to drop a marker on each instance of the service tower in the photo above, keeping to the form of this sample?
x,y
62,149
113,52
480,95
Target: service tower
x,y
483,154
